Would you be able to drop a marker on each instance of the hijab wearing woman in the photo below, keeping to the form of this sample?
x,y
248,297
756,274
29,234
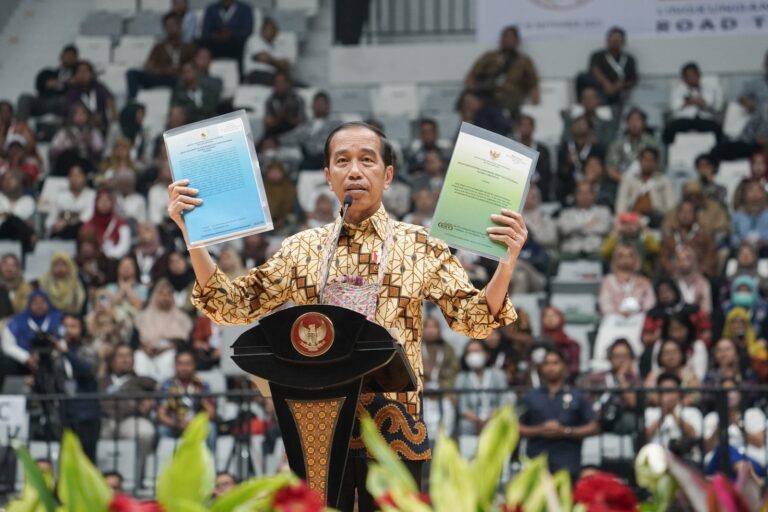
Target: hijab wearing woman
x,y
113,231
62,284
553,327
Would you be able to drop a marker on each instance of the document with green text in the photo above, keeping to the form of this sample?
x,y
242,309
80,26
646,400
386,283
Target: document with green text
x,y
487,172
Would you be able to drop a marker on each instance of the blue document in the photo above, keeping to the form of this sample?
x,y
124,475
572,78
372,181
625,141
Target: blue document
x,y
218,158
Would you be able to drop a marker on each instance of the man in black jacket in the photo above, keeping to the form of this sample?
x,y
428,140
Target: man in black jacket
x,y
51,85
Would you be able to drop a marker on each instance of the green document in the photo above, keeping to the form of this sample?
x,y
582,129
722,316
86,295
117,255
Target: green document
x,y
487,172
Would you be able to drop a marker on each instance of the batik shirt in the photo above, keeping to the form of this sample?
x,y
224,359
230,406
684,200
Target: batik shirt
x,y
419,268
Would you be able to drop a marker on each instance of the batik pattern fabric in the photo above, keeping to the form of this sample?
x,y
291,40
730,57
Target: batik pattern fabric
x,y
419,268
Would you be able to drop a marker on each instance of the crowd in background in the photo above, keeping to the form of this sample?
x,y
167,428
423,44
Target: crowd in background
x,y
683,303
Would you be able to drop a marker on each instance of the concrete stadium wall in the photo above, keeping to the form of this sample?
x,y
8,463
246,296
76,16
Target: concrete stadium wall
x,y
445,62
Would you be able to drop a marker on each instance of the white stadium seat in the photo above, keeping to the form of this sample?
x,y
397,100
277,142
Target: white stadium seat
x,y
252,97
133,50
226,69
157,102
395,100
96,49
687,146
736,118
125,8
113,76
549,122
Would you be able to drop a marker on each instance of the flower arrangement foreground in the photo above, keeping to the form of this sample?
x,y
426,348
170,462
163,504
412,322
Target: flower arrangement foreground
x,y
456,485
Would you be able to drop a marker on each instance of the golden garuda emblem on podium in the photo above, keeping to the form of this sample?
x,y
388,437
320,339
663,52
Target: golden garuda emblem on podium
x,y
312,334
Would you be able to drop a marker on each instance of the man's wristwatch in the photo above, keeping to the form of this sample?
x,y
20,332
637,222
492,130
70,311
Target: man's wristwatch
x,y
568,431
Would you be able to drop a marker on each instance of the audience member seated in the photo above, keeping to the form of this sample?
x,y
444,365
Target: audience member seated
x,y
254,251
12,279
746,264
25,331
553,328
17,160
624,152
203,61
12,128
107,325
688,233
612,70
13,200
706,168
284,107
182,280
602,122
432,175
96,269
584,226
323,213
616,410
227,25
695,105
262,58
281,193
750,221
427,139
669,356
163,64
441,366
753,137
225,482
198,99
475,109
738,327
758,171
151,258
647,192
161,325
755,92
51,85
746,433
670,302
526,126
729,362
70,208
505,76
127,419
118,160
205,343
541,225
624,291
183,400
556,417
672,423
424,202
571,156
476,408
129,295
745,294
605,189
695,287
62,285
310,135
76,143
94,95
681,329
108,226
131,205
187,18
711,216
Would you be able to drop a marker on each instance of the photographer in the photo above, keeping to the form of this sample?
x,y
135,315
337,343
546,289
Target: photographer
x,y
21,336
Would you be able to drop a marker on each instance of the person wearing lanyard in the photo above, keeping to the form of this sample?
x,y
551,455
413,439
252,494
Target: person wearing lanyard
x,y
612,70
387,268
227,25
557,417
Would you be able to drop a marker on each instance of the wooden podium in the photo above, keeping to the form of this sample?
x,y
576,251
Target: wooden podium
x,y
317,360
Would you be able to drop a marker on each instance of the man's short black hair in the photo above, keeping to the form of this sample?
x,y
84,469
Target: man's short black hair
x,y
387,152
429,121
230,475
706,157
621,342
638,111
70,48
269,20
526,117
170,16
182,351
618,30
117,474
652,150
667,376
690,66
556,352
322,94
511,28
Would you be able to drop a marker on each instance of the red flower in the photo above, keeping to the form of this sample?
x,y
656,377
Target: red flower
x,y
509,508
386,501
123,503
298,498
603,492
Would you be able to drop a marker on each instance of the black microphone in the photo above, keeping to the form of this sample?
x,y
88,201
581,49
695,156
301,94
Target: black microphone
x,y
344,210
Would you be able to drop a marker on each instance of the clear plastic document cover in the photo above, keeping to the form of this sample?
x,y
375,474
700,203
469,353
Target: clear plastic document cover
x,y
218,158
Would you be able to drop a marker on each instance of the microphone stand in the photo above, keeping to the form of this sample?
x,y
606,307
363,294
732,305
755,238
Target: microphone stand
x,y
344,210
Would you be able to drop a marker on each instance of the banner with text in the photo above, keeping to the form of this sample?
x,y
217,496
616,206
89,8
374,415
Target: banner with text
x,y
587,19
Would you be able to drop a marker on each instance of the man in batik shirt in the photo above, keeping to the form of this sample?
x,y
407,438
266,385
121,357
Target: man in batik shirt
x,y
360,163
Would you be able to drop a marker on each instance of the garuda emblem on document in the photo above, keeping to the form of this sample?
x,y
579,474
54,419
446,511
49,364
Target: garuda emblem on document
x,y
312,334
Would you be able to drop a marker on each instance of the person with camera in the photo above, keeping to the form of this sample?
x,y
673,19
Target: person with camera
x,y
673,424
24,335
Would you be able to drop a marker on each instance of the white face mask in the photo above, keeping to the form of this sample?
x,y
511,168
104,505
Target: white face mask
x,y
475,360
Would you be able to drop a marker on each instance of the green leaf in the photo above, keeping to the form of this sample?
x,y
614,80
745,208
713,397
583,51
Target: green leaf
x,y
247,491
523,483
562,481
190,476
182,505
81,485
496,443
451,486
401,477
36,493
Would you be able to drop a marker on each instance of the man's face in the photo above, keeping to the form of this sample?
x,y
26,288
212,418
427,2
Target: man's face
x,y
320,107
172,28
648,163
38,306
115,483
509,40
179,6
76,178
282,85
185,367
9,268
189,75
433,163
584,196
356,168
590,99
615,42
83,74
686,215
635,125
705,169
428,134
122,362
73,329
691,77
669,397
552,369
526,128
224,484
165,298
203,59
68,59
269,32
